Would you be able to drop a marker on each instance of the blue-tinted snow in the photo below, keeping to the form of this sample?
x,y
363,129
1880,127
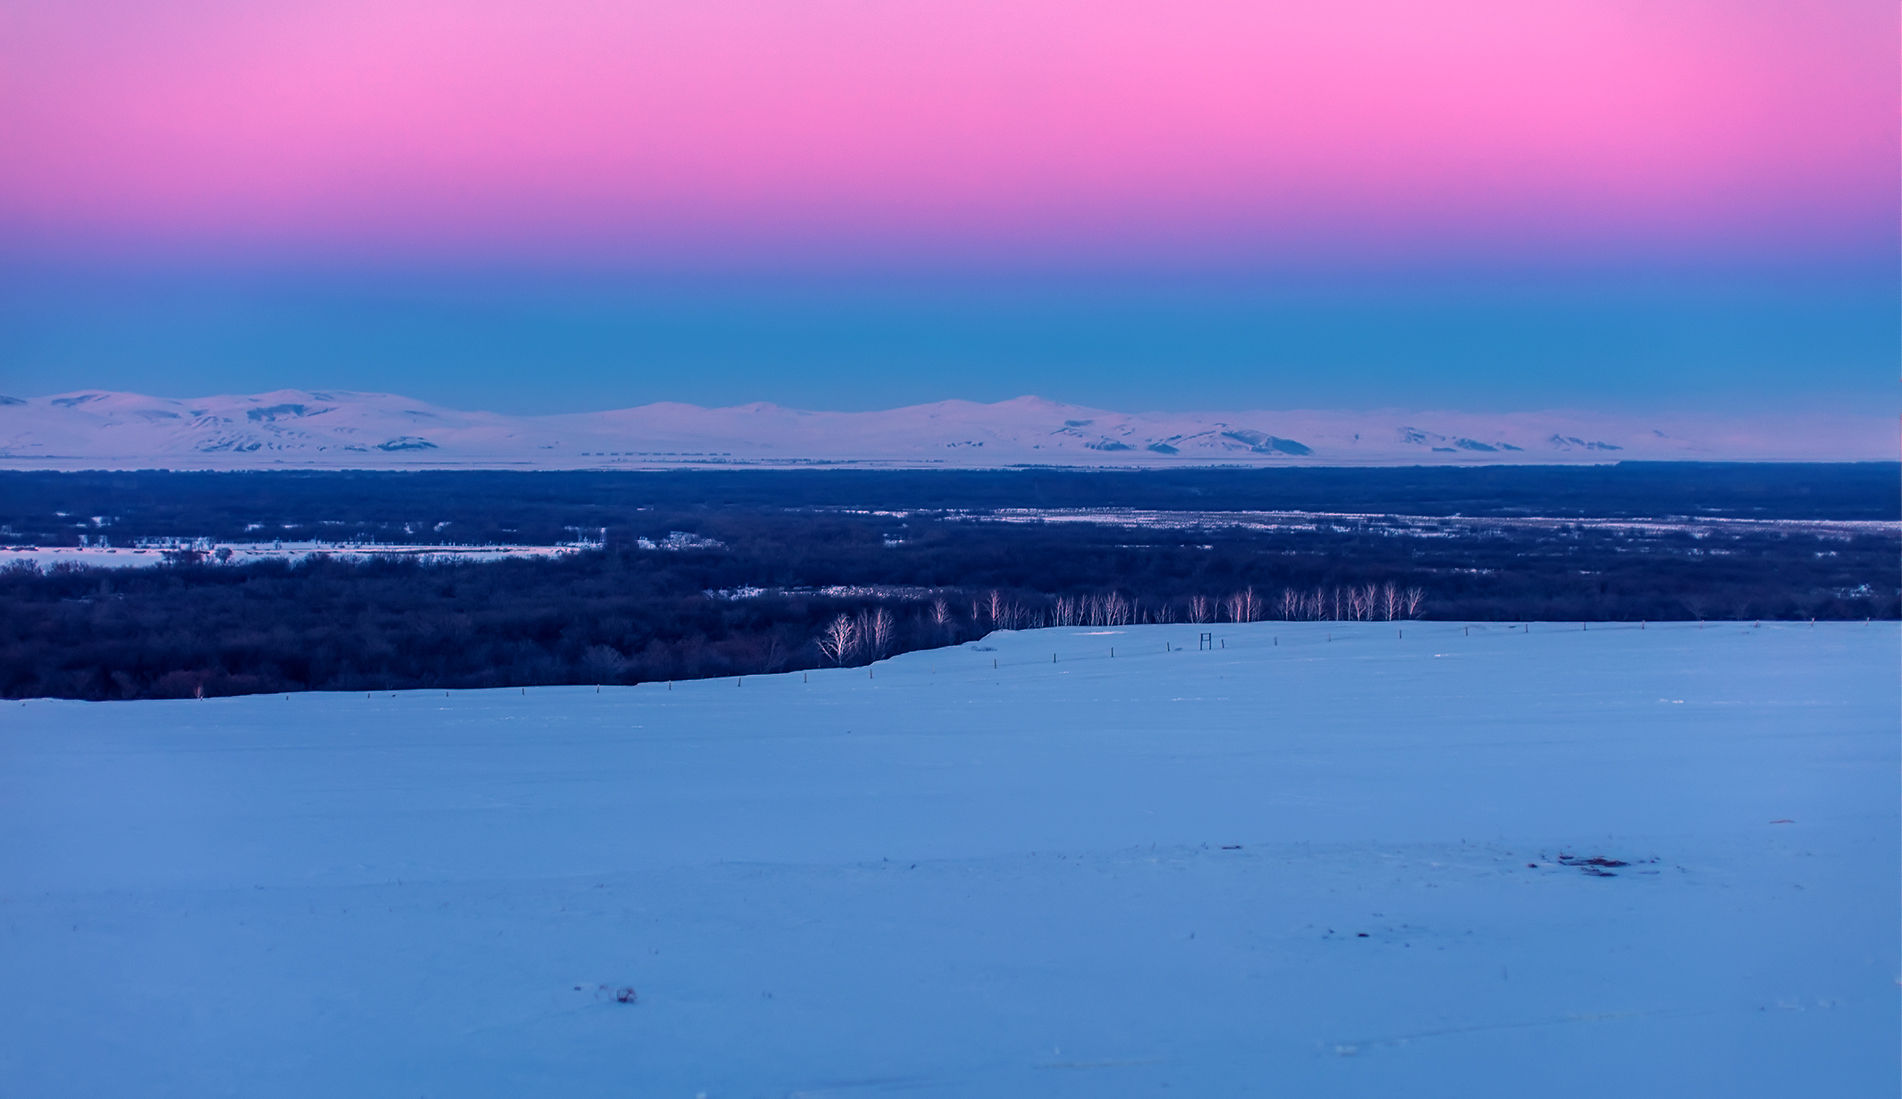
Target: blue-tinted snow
x,y
1093,877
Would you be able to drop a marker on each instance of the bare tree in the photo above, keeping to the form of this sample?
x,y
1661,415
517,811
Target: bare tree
x,y
1390,601
940,613
1290,604
877,632
604,663
839,640
1411,601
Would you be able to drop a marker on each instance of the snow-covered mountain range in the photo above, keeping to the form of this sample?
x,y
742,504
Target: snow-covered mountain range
x,y
333,429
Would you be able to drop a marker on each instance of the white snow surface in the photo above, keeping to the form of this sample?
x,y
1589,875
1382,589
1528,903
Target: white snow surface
x,y
345,430
1317,860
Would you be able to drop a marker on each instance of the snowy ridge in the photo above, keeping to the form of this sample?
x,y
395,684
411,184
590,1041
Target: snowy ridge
x,y
336,429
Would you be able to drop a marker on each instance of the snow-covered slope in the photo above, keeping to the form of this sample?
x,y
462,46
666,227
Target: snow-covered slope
x,y
368,430
1291,865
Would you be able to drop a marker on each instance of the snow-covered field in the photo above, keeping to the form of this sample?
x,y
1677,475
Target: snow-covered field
x,y
1311,867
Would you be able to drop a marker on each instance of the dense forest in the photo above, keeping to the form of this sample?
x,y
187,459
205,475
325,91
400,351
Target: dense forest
x,y
773,587
57,509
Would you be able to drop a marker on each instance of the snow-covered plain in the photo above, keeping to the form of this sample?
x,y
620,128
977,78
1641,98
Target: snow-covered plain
x,y
1317,860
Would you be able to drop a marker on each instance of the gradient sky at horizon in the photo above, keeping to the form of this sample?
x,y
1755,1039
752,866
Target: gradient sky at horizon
x,y
577,204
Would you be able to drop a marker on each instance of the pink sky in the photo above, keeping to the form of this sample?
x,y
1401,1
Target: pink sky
x,y
1682,127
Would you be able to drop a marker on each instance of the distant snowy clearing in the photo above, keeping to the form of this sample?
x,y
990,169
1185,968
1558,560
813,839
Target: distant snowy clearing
x,y
1310,859
112,557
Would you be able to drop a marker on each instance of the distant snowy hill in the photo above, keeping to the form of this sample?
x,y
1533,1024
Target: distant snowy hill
x,y
333,429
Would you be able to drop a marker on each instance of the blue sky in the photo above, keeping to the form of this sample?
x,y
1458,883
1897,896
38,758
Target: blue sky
x,y
1672,205
569,342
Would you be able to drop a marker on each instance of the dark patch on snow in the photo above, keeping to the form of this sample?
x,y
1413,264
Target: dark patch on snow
x,y
272,412
1162,448
4,400
1573,442
407,442
1261,442
1107,444
71,402
1597,866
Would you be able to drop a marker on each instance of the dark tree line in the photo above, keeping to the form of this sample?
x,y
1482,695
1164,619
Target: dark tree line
x,y
624,615
546,508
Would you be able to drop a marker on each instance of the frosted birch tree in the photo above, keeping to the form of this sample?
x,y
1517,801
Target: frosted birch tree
x,y
839,640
